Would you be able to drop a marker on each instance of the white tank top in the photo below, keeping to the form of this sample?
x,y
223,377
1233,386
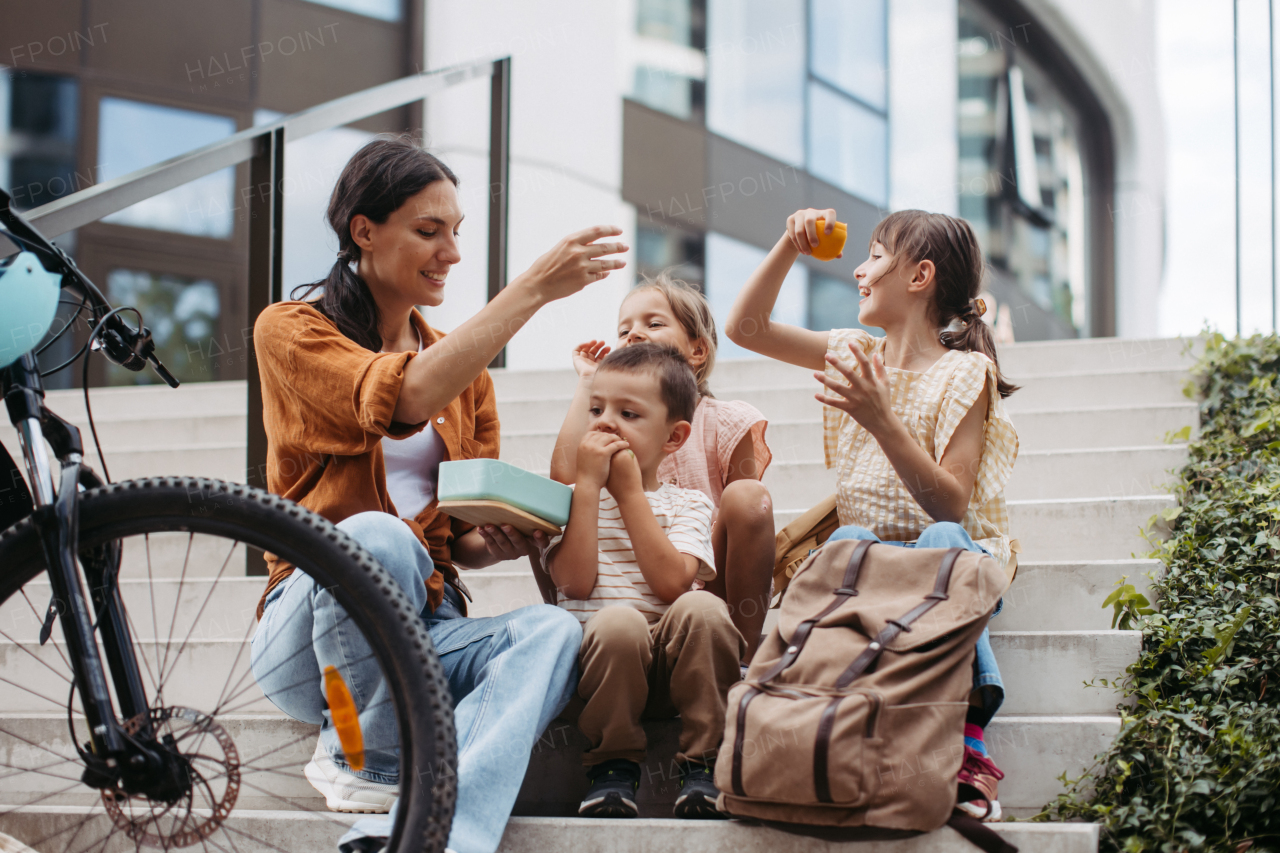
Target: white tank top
x,y
413,468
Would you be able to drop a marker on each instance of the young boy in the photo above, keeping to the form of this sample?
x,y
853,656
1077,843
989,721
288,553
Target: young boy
x,y
625,566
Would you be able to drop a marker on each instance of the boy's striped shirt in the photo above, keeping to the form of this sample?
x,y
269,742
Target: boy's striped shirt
x,y
684,515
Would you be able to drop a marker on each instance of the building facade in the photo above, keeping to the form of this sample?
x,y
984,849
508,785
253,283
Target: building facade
x,y
695,125
698,125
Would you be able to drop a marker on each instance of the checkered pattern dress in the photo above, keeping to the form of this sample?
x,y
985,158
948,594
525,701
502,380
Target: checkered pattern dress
x,y
869,493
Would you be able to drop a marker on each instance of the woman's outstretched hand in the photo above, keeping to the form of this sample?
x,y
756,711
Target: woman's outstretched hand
x,y
866,397
575,262
802,228
587,357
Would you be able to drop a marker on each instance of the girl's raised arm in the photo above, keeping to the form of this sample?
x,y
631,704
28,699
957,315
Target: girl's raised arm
x,y
749,324
564,458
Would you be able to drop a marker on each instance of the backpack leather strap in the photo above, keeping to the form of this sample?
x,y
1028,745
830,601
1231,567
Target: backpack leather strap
x,y
847,589
979,834
740,739
895,627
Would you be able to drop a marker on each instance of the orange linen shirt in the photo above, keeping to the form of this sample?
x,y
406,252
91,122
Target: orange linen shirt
x,y
327,402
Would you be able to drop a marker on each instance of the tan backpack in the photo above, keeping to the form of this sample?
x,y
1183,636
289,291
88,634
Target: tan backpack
x,y
852,712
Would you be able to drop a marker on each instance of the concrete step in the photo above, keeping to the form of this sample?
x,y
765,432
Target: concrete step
x,y
1067,596
1022,361
1031,750
1061,392
796,440
1085,529
262,831
272,749
200,674
1038,475
1044,671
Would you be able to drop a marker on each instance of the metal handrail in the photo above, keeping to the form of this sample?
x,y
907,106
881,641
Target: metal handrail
x,y
99,201
263,147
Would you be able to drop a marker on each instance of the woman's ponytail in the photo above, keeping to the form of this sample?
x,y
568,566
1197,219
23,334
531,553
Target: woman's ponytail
x,y
382,175
949,242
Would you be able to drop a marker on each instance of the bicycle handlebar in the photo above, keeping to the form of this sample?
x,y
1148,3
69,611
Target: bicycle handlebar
x,y
130,348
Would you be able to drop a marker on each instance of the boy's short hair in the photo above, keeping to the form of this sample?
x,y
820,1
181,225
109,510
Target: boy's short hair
x,y
676,383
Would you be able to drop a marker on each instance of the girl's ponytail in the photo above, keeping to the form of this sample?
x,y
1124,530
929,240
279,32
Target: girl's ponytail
x,y
949,242
380,177
975,336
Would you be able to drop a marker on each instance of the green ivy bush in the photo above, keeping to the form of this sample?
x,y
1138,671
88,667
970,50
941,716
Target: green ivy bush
x,y
1196,766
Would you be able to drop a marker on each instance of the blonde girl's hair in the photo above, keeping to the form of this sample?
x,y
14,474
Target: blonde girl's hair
x,y
916,235
693,313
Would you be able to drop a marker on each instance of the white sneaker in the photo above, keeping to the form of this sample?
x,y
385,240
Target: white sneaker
x,y
346,792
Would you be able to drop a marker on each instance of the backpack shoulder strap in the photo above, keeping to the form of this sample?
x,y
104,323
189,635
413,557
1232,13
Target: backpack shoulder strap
x,y
895,627
848,588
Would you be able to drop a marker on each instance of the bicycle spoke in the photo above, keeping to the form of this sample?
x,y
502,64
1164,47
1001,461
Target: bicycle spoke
x,y
196,620
222,694
221,710
182,579
35,656
151,587
36,845
133,632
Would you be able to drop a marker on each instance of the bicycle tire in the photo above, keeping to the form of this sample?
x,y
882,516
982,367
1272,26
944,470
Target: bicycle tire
x,y
159,507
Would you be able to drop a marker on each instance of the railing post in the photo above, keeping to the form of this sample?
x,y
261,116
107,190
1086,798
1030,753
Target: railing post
x,y
499,180
266,285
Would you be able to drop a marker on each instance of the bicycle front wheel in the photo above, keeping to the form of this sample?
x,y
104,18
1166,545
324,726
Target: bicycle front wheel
x,y
192,615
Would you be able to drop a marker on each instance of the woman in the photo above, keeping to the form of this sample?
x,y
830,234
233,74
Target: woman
x,y
361,401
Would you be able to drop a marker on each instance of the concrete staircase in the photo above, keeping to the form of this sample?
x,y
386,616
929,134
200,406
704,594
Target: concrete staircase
x,y
1091,418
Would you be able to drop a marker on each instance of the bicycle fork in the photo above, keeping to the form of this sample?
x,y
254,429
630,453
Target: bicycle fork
x,y
115,753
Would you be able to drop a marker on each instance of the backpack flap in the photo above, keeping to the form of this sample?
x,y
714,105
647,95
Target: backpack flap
x,y
891,583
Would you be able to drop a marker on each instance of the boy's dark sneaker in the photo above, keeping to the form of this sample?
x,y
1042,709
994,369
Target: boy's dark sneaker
x,y
613,789
698,794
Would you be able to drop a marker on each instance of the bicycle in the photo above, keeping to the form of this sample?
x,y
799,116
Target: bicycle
x,y
162,751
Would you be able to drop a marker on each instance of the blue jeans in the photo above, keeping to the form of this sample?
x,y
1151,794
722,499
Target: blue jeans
x,y
509,677
987,686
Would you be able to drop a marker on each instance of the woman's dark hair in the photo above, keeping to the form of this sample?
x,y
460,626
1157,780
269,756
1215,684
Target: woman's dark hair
x,y
949,242
380,177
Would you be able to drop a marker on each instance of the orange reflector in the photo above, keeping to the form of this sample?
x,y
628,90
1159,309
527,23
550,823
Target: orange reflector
x,y
342,709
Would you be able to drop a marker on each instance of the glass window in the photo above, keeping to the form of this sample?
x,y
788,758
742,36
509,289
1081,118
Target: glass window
x,y
669,20
671,249
756,74
848,145
847,40
182,314
670,63
133,135
38,133
383,10
1023,180
729,263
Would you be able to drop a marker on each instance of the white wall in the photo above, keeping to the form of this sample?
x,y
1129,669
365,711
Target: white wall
x,y
569,72
1113,43
923,133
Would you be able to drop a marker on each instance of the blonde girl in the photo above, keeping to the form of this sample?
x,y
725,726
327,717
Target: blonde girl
x,y
914,421
725,456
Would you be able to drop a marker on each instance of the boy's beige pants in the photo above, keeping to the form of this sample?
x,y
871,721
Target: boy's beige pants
x,y
683,664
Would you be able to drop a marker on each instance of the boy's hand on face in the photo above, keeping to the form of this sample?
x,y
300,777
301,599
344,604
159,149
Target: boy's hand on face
x,y
594,455
586,357
624,475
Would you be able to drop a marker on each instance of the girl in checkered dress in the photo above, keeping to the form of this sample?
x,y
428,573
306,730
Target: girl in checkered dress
x,y
914,422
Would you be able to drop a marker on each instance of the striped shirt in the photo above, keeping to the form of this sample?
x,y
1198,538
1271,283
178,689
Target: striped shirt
x,y
684,515
869,492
